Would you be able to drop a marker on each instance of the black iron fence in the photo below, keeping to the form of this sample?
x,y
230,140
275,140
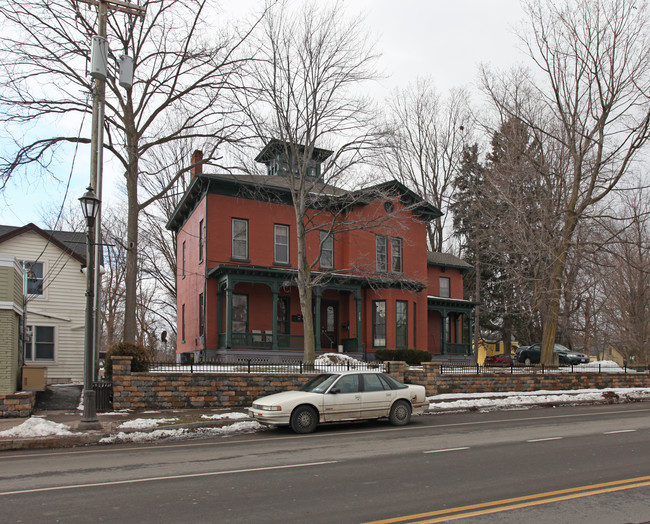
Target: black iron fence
x,y
259,365
535,369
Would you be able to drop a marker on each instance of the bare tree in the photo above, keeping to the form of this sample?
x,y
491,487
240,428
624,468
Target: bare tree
x,y
593,75
307,78
184,74
627,294
423,149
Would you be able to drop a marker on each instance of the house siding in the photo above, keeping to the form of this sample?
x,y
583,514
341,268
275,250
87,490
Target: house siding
x,y
61,306
10,310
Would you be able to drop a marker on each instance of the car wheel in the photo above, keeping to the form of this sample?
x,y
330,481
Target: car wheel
x,y
527,361
400,413
304,419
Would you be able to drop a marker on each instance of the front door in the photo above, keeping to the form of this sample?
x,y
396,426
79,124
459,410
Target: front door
x,y
329,321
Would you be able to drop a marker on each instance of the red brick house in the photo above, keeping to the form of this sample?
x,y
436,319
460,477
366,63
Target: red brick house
x,y
378,288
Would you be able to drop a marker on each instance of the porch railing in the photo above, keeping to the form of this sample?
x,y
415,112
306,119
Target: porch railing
x,y
457,349
255,340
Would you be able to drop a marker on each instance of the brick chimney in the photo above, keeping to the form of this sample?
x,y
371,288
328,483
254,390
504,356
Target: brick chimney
x,y
197,166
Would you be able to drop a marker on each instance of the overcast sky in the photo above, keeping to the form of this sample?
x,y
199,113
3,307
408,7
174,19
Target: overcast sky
x,y
442,39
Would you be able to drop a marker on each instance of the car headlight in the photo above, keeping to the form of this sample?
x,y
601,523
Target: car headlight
x,y
267,408
572,355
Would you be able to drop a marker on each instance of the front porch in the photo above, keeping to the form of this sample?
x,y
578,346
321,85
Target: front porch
x,y
258,310
455,320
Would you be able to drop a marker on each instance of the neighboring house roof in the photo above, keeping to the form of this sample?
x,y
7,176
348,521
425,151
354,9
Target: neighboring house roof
x,y
446,260
70,242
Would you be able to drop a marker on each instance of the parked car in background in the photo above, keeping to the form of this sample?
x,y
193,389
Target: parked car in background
x,y
532,355
337,397
499,360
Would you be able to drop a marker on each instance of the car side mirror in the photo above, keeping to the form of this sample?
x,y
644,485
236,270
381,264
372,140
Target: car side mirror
x,y
335,390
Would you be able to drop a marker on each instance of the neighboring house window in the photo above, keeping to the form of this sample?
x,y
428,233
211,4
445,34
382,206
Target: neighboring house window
x,y
239,313
327,251
445,287
240,238
281,244
379,323
34,272
201,240
381,248
396,255
41,346
183,324
184,255
401,324
201,315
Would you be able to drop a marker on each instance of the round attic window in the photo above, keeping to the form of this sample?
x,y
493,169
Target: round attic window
x,y
388,206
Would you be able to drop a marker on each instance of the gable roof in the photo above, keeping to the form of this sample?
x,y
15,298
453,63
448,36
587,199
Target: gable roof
x,y
70,242
447,260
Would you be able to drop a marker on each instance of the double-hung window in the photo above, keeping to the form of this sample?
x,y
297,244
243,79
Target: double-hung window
x,y
396,255
327,250
34,272
379,324
240,239
201,315
445,287
381,253
201,240
401,324
41,345
184,258
281,244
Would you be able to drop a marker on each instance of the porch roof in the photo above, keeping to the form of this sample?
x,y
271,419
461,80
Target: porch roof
x,y
322,278
450,304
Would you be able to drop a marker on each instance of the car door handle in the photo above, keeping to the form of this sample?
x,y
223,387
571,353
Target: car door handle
x,y
357,397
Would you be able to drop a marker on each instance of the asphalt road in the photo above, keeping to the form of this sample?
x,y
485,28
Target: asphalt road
x,y
575,464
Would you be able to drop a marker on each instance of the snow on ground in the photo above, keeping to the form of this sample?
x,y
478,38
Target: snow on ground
x,y
145,423
36,427
248,426
229,416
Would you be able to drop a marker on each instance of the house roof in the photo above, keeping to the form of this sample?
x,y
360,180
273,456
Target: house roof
x,y
278,188
71,242
447,260
276,146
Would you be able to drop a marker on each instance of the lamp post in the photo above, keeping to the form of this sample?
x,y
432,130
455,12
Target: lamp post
x,y
90,207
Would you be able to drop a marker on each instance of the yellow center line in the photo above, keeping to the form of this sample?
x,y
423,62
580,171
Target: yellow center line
x,y
521,502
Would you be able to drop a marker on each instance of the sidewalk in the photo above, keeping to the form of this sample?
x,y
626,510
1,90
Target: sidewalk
x,y
58,428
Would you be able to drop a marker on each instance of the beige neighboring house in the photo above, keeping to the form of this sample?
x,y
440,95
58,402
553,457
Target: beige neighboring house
x,y
55,288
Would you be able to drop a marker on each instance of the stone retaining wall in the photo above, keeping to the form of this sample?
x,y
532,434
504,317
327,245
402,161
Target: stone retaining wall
x,y
236,390
18,404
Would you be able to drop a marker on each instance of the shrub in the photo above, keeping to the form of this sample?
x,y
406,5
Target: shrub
x,y
413,357
140,356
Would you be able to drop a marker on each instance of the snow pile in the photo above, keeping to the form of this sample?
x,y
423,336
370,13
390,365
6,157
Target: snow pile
x,y
145,423
160,434
524,400
37,427
226,416
140,436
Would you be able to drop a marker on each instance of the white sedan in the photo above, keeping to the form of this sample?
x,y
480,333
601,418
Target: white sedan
x,y
335,397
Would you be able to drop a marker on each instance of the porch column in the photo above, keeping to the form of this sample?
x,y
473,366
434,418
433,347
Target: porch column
x,y
357,300
318,292
443,332
229,290
470,331
219,313
275,289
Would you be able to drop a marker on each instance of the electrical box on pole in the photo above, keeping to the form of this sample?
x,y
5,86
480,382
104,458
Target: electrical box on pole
x,y
99,58
126,72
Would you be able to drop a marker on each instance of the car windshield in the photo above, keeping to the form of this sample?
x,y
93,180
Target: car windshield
x,y
319,384
559,347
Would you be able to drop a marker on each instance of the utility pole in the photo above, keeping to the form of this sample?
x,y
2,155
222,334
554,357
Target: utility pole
x,y
99,72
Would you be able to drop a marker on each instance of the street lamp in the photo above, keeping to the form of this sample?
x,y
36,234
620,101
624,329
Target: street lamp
x,y
90,207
